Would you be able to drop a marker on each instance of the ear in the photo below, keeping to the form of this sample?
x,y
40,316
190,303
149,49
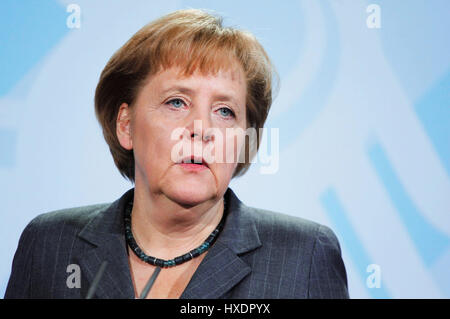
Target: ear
x,y
123,127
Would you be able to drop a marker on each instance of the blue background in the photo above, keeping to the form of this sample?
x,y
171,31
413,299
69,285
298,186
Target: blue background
x,y
363,113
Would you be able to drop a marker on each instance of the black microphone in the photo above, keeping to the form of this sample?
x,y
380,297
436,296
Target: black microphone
x,y
96,280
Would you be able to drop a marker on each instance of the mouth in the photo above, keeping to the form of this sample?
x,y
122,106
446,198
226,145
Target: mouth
x,y
193,162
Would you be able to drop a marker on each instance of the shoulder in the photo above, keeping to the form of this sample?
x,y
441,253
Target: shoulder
x,y
59,226
283,229
46,241
74,218
302,256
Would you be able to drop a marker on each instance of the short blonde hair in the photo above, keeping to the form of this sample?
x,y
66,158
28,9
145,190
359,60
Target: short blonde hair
x,y
193,40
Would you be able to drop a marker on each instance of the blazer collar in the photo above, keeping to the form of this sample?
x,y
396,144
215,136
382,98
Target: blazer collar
x,y
220,270
239,233
106,232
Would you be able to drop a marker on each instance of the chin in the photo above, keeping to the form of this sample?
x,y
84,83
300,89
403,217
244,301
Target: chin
x,y
191,192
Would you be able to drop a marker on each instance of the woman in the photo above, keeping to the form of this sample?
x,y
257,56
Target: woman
x,y
177,88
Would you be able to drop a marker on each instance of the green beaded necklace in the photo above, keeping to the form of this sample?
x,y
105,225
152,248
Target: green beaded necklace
x,y
177,260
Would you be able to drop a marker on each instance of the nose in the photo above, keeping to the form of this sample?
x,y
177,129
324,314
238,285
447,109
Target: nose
x,y
199,126
196,135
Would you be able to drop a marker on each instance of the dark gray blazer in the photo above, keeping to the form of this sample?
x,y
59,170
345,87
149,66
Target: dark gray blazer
x,y
259,254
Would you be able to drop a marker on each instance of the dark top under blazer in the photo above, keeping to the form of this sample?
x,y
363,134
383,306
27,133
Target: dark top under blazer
x,y
259,254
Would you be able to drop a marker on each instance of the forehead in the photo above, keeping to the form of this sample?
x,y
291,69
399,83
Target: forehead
x,y
232,80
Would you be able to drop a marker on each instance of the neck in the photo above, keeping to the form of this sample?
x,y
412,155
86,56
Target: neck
x,y
165,229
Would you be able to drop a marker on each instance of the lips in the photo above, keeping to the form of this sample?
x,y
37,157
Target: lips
x,y
193,160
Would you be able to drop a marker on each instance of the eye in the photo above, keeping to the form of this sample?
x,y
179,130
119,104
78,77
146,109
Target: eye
x,y
176,103
226,112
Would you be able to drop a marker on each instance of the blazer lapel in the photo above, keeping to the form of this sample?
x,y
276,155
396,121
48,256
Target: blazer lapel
x,y
220,271
222,268
106,234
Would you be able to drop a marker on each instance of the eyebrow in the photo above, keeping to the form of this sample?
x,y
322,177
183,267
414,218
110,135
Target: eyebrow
x,y
177,88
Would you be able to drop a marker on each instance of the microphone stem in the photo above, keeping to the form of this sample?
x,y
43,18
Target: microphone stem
x,y
97,278
150,283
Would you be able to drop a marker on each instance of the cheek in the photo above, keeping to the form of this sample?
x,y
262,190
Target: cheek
x,y
152,144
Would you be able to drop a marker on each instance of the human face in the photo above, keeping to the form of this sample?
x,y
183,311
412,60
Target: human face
x,y
170,101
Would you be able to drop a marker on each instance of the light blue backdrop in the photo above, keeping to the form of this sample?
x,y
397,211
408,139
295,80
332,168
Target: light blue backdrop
x,y
364,118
